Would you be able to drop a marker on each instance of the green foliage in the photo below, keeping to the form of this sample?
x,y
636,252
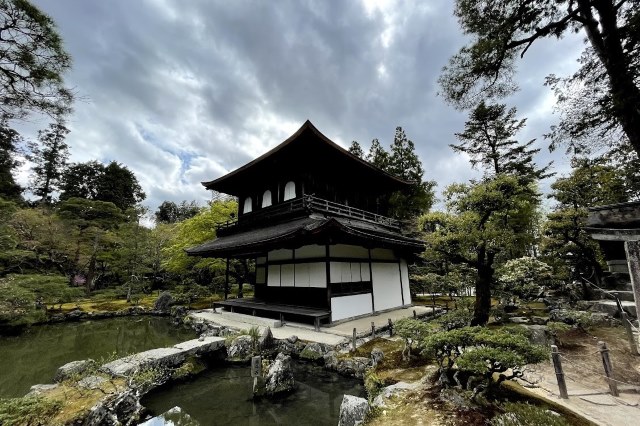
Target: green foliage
x,y
373,384
189,292
170,212
456,318
33,62
194,231
113,183
598,102
520,414
523,277
412,331
356,149
485,221
9,141
481,352
25,411
49,158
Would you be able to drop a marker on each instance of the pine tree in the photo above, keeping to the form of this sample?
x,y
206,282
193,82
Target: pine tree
x,y
377,155
50,159
488,139
356,149
403,161
9,140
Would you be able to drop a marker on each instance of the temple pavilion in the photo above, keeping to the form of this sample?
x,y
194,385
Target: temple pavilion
x,y
313,217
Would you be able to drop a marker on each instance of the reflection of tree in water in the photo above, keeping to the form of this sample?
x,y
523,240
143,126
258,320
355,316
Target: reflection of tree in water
x,y
35,355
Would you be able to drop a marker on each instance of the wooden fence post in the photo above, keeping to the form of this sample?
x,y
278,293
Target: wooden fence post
x,y
557,366
390,328
373,329
608,368
633,343
415,316
354,340
256,371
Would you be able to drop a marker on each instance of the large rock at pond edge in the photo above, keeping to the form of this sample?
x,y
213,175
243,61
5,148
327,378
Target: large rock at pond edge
x,y
350,366
240,349
353,411
279,378
73,368
163,302
36,390
313,352
389,391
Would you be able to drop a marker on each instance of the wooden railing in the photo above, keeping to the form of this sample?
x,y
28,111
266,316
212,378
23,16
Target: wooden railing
x,y
315,204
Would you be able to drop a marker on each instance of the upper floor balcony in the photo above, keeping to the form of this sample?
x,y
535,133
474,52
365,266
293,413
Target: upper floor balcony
x,y
305,204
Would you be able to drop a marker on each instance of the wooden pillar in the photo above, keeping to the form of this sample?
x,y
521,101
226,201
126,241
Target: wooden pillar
x,y
633,343
401,290
373,300
608,368
633,260
226,281
557,365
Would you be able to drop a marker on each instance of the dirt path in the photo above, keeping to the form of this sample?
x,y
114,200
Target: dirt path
x,y
587,386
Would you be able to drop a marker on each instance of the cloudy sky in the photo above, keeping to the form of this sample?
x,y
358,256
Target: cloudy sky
x,y
185,91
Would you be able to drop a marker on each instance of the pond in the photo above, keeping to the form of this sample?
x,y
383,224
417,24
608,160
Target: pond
x,y
223,396
34,356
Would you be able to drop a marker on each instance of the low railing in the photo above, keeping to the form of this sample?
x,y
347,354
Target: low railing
x,y
312,203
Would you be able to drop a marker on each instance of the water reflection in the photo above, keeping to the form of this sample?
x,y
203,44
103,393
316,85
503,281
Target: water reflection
x,y
222,396
34,356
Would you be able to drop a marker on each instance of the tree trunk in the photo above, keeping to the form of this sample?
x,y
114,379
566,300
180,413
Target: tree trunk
x,y
607,43
482,307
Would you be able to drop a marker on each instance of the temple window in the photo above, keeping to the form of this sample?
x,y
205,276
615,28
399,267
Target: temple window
x,y
266,198
247,205
289,191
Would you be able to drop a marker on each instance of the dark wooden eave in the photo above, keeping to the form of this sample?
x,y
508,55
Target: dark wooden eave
x,y
303,231
310,141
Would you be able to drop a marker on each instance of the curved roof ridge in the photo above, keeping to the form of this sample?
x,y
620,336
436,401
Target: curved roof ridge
x,y
307,125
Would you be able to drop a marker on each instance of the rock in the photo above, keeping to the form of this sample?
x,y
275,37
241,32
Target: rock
x,y
75,315
519,320
40,389
350,366
266,340
240,349
353,411
539,320
279,378
376,356
92,382
73,368
313,352
389,391
292,339
538,334
163,302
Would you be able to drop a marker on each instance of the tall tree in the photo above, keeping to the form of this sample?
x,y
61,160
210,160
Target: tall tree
x,y
503,30
32,62
404,163
482,224
49,158
591,183
377,155
356,149
9,140
119,186
170,212
488,139
113,183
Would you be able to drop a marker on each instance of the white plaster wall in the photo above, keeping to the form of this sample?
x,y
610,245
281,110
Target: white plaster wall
x,y
302,275
350,306
283,254
287,275
386,285
273,276
344,250
306,252
382,254
261,260
318,275
404,271
349,272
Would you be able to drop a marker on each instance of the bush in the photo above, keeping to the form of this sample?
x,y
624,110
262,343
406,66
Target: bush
x,y
412,331
480,353
519,414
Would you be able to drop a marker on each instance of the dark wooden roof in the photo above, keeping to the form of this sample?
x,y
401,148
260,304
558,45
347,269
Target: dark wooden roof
x,y
308,230
310,151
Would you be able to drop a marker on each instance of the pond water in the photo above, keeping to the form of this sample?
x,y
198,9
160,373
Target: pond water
x,y
34,356
223,396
